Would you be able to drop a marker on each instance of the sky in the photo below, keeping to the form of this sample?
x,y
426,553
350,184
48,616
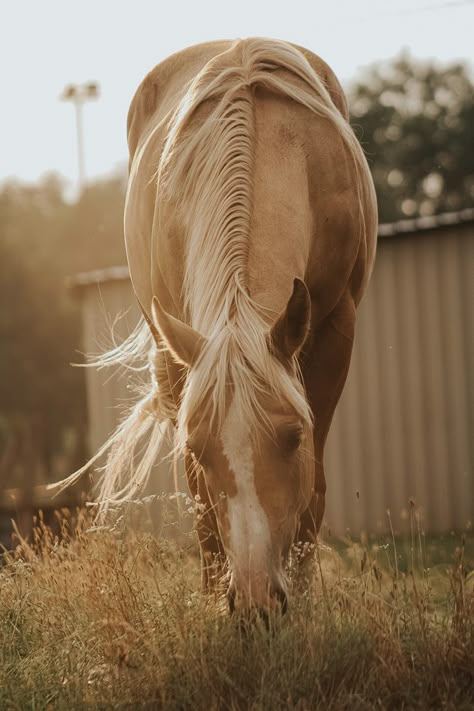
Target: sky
x,y
48,44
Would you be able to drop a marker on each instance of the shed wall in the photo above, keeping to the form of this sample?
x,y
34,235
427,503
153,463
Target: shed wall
x,y
111,306
403,427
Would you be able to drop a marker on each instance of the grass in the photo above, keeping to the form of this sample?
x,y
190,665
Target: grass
x,y
114,620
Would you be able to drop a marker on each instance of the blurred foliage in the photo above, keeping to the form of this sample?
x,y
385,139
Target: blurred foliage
x,y
416,124
43,239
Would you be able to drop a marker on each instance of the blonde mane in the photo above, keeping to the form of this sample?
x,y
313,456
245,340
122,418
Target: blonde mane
x,y
209,163
207,168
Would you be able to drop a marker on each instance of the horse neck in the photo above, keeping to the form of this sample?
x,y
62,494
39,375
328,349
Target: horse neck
x,y
280,230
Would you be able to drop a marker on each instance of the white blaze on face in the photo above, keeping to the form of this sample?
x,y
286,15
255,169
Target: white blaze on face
x,y
249,535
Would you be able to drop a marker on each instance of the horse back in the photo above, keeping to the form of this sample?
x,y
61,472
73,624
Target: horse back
x,y
164,86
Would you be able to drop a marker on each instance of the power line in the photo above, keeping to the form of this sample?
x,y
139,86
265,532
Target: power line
x,y
414,10
436,6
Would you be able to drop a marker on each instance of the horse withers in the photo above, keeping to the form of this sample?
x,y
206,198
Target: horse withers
x,y
250,227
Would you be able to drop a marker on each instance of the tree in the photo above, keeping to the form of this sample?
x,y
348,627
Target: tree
x,y
41,396
416,124
43,239
94,235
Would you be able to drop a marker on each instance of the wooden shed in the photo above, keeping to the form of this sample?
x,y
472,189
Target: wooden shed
x,y
404,426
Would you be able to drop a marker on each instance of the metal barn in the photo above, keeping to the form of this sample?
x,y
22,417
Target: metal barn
x,y
404,426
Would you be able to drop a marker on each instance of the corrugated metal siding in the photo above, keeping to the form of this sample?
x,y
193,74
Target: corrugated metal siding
x,y
106,390
403,427
404,424
108,393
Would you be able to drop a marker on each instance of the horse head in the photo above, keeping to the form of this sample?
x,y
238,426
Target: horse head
x,y
258,467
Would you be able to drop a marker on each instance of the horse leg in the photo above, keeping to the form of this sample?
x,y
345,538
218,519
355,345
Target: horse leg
x,y
325,364
212,552
169,376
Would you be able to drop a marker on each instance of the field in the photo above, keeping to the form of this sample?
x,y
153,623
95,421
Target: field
x,y
105,619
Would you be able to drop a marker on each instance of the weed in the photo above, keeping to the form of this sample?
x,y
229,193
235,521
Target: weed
x,y
111,619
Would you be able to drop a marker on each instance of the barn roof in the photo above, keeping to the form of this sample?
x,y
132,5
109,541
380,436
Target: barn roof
x,y
391,229
98,276
431,222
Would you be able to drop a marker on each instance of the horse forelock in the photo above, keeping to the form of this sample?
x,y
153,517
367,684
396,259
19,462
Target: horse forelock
x,y
237,367
207,168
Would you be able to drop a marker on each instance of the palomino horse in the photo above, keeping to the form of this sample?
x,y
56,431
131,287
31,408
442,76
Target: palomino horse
x,y
250,227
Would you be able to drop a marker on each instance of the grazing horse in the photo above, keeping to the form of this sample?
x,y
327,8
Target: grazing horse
x,y
250,226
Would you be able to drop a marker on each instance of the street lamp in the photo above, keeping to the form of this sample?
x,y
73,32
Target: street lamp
x,y
78,94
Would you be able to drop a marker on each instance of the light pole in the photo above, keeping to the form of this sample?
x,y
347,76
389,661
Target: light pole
x,y
78,94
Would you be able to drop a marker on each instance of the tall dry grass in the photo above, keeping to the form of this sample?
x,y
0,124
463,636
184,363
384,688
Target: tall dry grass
x,y
109,619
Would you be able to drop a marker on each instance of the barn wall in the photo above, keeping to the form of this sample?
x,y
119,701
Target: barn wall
x,y
107,390
404,424
403,428
109,395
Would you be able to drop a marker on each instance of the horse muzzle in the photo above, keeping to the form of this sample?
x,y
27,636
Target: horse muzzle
x,y
264,598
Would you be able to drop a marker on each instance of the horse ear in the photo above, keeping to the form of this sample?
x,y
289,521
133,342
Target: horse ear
x,y
291,329
184,343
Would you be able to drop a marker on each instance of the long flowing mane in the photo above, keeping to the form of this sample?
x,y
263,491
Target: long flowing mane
x,y
208,161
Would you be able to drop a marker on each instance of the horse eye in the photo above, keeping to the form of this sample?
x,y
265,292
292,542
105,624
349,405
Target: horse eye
x,y
292,438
